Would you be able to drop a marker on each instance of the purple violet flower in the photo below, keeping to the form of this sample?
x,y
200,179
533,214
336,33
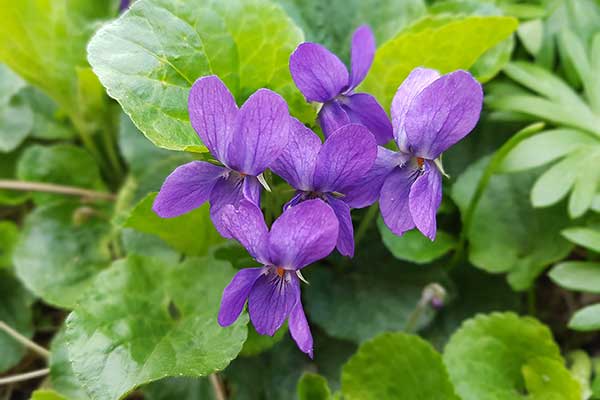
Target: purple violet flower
x,y
322,77
124,4
244,140
326,170
300,236
430,113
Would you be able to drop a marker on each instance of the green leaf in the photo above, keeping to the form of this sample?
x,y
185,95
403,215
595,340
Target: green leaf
x,y
44,42
586,319
8,166
584,236
257,343
396,366
501,355
62,247
48,121
8,237
62,377
168,328
545,147
373,296
547,379
585,186
577,275
413,246
386,18
180,389
455,45
42,394
506,234
15,311
16,117
313,387
192,233
61,164
149,58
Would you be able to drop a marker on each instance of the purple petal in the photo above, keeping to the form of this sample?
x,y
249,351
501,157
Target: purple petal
x,y
124,4
425,198
297,162
272,299
363,109
443,113
232,190
394,200
213,112
332,117
317,72
187,187
361,54
415,82
246,224
300,331
345,241
346,156
366,191
297,199
303,234
261,132
235,295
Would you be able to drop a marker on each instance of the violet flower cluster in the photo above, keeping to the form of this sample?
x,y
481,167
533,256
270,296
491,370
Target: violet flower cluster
x,y
350,169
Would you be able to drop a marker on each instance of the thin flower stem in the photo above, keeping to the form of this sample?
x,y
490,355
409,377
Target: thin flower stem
x,y
24,377
415,316
24,340
53,188
366,223
217,385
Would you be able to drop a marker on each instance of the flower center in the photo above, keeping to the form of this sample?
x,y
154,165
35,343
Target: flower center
x,y
280,271
420,162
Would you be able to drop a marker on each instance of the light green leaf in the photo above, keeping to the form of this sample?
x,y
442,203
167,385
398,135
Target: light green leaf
x,y
61,164
8,237
586,319
10,84
531,35
62,247
42,394
577,275
62,377
506,233
586,185
413,246
15,311
44,42
501,355
313,387
149,58
554,184
192,233
547,379
8,166
545,147
49,123
396,366
386,18
16,118
168,328
584,236
375,295
452,46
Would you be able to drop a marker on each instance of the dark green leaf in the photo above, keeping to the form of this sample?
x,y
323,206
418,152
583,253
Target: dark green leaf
x,y
62,377
179,389
15,311
396,366
144,320
257,343
413,246
192,233
62,247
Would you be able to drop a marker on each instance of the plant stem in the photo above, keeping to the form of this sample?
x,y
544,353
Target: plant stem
x,y
24,377
366,223
217,386
53,188
24,340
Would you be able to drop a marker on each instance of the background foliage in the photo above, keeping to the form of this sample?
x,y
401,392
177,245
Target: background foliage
x,y
126,302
